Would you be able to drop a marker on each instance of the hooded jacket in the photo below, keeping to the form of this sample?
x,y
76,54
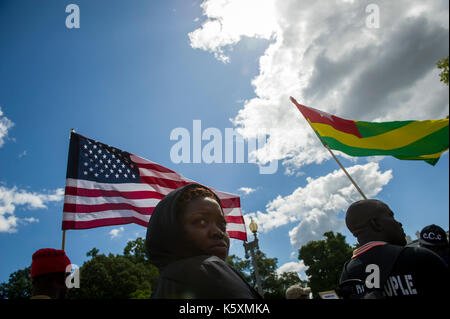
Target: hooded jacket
x,y
193,277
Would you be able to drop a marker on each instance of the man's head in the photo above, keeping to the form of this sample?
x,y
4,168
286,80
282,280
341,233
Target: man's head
x,y
49,270
433,235
434,238
373,220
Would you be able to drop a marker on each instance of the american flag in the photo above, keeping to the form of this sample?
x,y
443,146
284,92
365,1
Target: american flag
x,y
106,186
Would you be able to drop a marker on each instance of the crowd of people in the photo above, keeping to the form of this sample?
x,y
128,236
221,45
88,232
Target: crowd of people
x,y
187,241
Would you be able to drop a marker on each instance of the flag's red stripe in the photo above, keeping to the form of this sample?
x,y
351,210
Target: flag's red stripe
x,y
226,203
78,208
238,235
229,219
231,202
155,167
93,208
85,192
70,224
337,123
234,219
163,182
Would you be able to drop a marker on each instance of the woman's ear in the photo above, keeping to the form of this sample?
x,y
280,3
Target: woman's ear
x,y
375,225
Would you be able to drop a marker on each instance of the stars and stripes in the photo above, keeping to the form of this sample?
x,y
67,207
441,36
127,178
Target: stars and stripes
x,y
106,186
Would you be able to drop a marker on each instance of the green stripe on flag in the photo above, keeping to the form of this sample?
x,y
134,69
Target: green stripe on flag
x,y
368,129
434,143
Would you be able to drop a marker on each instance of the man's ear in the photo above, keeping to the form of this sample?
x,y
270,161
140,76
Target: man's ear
x,y
375,225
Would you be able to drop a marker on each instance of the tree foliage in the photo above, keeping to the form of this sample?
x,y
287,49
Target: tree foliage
x,y
101,277
19,285
443,65
117,276
325,260
274,285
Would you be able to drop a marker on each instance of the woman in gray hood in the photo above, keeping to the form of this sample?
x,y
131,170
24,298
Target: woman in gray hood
x,y
188,242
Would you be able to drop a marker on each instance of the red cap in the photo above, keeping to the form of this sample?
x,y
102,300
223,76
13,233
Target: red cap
x,y
48,260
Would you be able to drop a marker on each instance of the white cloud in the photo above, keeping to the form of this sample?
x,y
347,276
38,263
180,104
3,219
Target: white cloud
x,y
292,266
247,190
323,54
314,208
10,198
24,153
116,232
30,220
230,20
5,125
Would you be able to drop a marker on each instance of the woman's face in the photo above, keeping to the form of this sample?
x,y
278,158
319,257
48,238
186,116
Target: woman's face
x,y
205,227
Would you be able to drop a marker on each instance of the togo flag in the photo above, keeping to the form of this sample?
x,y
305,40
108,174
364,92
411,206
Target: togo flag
x,y
405,140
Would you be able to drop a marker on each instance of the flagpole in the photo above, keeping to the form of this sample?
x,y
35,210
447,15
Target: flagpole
x,y
63,239
64,231
345,171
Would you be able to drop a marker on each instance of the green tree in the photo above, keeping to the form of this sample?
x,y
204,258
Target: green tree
x,y
93,252
135,250
443,65
19,285
325,260
274,285
101,277
117,276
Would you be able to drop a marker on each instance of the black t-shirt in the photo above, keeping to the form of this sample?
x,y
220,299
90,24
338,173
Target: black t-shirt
x,y
417,272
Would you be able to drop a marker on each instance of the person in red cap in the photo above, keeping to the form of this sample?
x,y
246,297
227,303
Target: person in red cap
x,y
49,270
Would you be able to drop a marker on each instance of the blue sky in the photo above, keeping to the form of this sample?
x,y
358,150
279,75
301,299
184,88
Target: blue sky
x,y
134,71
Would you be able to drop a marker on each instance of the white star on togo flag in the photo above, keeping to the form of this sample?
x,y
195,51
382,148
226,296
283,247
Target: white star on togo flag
x,y
324,114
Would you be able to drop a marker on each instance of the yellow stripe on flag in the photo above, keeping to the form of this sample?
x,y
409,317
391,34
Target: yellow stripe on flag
x,y
394,139
429,156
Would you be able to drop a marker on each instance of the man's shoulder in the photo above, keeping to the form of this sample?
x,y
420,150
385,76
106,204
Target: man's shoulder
x,y
403,252
423,256
383,254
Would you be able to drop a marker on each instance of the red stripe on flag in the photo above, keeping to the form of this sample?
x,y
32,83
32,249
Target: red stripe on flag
x,y
154,167
85,192
168,183
71,224
316,116
237,235
231,202
79,208
234,219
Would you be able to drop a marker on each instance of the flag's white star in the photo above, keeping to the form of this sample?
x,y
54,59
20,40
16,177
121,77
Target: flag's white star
x,y
324,114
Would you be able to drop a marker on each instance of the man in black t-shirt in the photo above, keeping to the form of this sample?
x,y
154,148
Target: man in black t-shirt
x,y
382,267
